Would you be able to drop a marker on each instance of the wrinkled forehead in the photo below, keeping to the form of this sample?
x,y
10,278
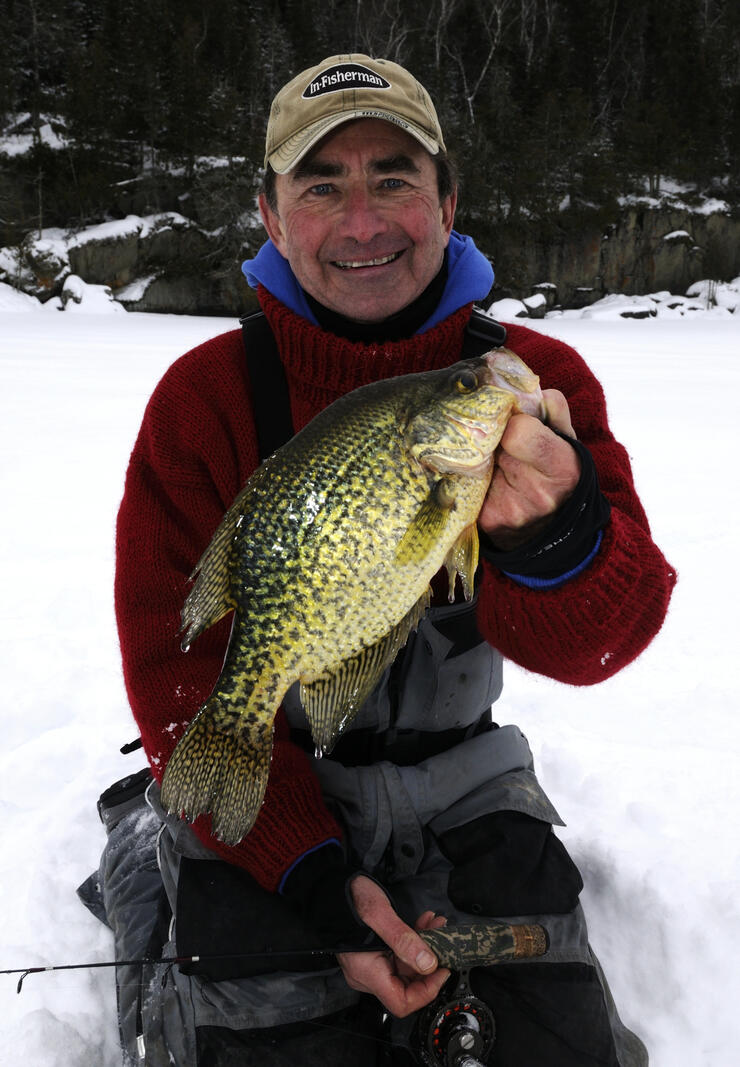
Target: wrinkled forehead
x,y
372,140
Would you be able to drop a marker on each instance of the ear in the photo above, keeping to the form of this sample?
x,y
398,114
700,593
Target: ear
x,y
273,224
447,214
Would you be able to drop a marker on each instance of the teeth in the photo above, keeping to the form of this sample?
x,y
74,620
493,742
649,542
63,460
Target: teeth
x,y
353,264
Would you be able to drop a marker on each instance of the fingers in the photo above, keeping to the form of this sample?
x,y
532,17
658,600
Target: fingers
x,y
374,908
430,920
557,412
535,473
408,977
373,972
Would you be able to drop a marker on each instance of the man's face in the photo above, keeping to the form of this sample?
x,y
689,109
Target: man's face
x,y
360,220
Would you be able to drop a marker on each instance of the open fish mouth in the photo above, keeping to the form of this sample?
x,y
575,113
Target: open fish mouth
x,y
356,264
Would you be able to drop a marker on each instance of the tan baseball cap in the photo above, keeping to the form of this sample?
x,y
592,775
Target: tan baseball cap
x,y
341,88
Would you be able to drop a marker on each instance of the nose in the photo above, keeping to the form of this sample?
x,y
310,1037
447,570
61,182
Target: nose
x,y
361,218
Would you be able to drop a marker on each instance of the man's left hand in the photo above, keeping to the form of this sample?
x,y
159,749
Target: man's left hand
x,y
535,473
406,978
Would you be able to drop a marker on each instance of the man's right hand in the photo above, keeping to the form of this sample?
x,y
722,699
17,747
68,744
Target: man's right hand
x,y
404,979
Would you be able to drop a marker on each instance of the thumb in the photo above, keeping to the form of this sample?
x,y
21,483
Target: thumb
x,y
375,909
557,412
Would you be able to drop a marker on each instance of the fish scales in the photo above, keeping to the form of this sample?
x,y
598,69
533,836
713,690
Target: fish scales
x,y
326,556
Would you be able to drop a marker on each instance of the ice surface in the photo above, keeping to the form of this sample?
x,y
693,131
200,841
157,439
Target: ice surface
x,y
645,768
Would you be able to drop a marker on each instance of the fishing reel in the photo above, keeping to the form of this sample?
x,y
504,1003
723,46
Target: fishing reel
x,y
457,1029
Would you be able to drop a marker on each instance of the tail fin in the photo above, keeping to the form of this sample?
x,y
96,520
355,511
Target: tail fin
x,y
219,772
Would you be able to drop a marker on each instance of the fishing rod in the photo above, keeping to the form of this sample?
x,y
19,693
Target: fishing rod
x,y
170,961
456,1030
456,947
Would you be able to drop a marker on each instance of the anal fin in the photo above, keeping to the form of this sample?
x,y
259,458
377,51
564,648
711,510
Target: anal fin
x,y
333,698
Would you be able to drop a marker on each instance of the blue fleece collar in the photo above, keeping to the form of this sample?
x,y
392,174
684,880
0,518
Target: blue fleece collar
x,y
469,277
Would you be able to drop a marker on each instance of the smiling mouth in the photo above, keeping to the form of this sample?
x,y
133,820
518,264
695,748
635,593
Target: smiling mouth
x,y
356,264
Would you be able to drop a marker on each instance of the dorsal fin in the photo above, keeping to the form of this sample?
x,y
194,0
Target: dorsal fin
x,y
212,597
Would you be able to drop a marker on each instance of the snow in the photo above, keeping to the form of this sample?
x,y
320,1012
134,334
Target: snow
x,y
12,299
18,144
724,295
131,225
135,290
54,242
682,196
508,308
80,296
644,768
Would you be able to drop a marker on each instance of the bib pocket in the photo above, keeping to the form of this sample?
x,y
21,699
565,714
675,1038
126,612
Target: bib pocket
x,y
507,860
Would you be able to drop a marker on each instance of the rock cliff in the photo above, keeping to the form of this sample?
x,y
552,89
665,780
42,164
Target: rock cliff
x,y
166,263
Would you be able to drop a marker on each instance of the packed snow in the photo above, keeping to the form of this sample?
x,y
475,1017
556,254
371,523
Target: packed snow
x,y
644,768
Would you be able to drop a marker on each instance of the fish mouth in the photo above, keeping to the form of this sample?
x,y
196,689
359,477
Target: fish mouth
x,y
359,264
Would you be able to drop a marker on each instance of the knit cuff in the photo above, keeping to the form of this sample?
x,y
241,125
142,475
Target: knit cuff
x,y
570,540
292,821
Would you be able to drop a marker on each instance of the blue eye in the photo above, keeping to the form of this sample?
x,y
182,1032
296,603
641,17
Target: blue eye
x,y
394,183
322,189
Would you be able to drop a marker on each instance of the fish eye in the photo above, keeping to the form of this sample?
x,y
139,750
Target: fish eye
x,y
466,381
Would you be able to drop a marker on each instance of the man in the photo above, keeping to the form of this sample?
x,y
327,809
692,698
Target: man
x,y
425,812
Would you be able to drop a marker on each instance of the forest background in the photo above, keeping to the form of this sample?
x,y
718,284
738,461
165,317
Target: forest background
x,y
555,112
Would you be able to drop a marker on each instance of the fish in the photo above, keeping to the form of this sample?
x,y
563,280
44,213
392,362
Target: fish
x,y
325,558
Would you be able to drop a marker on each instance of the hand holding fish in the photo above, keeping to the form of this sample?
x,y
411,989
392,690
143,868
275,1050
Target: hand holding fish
x,y
403,980
535,473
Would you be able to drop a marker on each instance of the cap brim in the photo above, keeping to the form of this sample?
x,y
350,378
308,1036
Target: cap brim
x,y
283,158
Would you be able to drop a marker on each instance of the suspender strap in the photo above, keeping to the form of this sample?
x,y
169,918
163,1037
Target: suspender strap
x,y
482,334
272,417
271,401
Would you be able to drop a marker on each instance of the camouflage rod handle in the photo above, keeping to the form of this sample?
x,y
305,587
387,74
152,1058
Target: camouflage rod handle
x,y
461,947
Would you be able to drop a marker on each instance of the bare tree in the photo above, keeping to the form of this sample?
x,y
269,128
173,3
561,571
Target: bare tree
x,y
492,15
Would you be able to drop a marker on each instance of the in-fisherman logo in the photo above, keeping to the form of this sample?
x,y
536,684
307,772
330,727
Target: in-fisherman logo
x,y
344,76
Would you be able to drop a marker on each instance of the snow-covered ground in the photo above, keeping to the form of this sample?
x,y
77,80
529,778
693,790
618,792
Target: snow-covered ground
x,y
645,768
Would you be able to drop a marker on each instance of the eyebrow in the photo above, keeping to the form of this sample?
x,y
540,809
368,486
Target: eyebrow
x,y
318,168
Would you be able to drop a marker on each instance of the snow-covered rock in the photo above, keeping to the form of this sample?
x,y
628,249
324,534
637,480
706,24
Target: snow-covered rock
x,y
91,299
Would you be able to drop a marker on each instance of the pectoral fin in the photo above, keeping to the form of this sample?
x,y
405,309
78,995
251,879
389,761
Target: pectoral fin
x,y
462,559
428,524
332,700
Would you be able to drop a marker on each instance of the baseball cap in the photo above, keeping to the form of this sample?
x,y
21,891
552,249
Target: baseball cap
x,y
341,88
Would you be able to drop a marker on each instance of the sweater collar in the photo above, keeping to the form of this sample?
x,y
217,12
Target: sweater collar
x,y
469,278
320,366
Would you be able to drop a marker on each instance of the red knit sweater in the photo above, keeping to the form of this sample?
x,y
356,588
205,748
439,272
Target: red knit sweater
x,y
195,450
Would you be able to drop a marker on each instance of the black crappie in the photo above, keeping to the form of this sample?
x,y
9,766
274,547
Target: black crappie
x,y
326,556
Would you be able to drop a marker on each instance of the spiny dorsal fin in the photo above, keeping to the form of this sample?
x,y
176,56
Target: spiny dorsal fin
x,y
212,597
333,699
426,528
